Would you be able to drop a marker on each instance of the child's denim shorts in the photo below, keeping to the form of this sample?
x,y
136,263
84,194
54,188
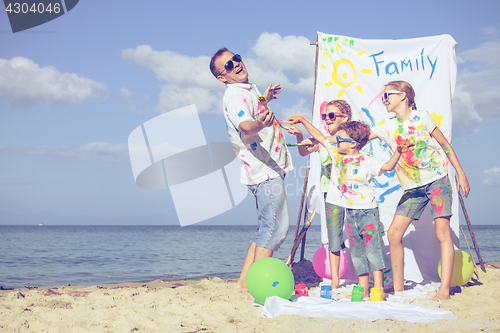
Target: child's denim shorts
x,y
365,239
272,208
335,226
414,200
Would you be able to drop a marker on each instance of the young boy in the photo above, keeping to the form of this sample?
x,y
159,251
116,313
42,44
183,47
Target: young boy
x,y
355,171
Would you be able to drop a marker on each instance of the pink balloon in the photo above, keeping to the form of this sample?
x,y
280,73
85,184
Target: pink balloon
x,y
321,263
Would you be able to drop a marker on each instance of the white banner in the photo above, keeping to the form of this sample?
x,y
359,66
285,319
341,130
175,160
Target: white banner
x,y
356,70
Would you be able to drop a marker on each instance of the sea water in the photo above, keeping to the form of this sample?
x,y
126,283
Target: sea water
x,y
85,255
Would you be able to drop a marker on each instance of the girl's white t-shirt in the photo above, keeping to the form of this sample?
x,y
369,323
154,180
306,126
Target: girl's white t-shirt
x,y
422,164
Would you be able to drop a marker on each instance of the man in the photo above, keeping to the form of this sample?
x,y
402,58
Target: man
x,y
258,140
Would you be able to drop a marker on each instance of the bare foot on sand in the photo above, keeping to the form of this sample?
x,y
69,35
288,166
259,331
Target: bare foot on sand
x,y
440,296
241,285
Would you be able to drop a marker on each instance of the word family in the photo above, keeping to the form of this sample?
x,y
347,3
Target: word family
x,y
419,63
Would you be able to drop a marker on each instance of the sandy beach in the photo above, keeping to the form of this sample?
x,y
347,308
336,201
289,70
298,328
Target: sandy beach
x,y
211,305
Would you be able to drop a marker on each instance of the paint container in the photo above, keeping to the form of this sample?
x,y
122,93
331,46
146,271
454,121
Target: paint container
x,y
326,292
357,294
301,289
375,294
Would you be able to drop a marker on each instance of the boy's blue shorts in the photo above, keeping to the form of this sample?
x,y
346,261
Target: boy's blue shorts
x,y
335,226
365,239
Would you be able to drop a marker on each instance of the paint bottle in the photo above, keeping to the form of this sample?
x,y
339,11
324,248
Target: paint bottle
x,y
301,289
357,294
375,294
326,292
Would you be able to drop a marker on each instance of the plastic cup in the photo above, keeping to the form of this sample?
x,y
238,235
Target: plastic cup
x,y
301,289
357,294
326,292
375,294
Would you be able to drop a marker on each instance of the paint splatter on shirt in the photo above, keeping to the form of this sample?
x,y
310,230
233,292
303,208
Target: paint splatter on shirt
x,y
334,196
422,164
350,179
263,154
355,174
326,167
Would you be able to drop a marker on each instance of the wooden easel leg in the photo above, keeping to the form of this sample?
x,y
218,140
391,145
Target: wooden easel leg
x,y
470,230
290,257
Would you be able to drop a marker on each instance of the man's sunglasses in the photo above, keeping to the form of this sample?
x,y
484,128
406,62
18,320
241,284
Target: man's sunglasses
x,y
387,93
332,115
228,67
339,140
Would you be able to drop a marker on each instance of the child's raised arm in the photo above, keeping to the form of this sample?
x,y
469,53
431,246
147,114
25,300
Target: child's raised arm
x,y
315,133
303,150
463,183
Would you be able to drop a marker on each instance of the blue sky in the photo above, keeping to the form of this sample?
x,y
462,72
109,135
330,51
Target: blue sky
x,y
73,89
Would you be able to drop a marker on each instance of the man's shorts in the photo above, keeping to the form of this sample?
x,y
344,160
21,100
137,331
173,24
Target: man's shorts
x,y
272,208
365,239
438,193
335,226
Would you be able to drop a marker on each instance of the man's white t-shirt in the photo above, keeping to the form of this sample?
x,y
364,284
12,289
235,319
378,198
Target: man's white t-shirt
x,y
264,154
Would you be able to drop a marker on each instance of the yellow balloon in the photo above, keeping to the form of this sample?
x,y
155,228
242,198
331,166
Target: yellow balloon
x,y
463,268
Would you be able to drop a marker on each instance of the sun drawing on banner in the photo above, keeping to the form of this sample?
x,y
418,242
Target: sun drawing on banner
x,y
344,73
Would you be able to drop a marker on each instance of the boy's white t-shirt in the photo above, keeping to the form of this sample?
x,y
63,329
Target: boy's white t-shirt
x,y
422,164
354,175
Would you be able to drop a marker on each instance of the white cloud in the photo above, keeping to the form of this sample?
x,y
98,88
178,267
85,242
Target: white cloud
x,y
291,54
172,67
465,118
173,97
23,83
479,77
491,177
302,108
491,32
288,61
93,151
189,80
136,106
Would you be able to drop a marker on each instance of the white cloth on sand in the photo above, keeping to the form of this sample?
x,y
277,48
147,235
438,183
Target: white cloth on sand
x,y
316,307
396,307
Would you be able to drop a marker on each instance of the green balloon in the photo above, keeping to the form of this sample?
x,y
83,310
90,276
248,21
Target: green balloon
x,y
270,277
